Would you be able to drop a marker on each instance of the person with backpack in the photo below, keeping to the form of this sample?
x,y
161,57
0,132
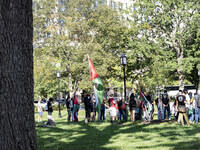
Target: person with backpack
x,y
166,105
88,107
196,106
181,107
132,106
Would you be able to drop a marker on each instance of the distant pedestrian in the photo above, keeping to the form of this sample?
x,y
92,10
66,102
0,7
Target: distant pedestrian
x,y
40,111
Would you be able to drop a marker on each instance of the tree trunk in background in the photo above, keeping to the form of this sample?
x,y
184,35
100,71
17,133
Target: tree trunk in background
x,y
179,53
17,124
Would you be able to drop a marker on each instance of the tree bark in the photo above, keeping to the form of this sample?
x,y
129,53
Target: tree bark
x,y
17,123
180,68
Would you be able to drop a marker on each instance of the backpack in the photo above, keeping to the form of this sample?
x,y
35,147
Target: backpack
x,y
198,101
165,99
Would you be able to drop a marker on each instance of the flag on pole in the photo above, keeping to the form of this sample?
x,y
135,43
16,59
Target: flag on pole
x,y
75,110
143,97
149,105
98,85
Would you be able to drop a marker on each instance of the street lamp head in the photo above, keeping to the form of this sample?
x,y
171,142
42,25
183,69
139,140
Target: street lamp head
x,y
58,74
123,59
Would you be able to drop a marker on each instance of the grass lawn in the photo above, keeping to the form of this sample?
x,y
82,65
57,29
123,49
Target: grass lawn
x,y
104,135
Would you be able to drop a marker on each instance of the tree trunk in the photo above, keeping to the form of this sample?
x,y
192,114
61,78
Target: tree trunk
x,y
180,69
17,123
70,81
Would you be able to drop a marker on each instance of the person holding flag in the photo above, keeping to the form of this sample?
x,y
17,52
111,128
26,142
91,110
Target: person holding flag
x,y
75,110
98,87
145,105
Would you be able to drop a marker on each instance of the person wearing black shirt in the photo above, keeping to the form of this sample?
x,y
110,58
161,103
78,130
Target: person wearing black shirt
x,y
88,107
165,101
181,100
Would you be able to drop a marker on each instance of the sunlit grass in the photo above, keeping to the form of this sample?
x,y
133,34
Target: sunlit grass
x,y
104,135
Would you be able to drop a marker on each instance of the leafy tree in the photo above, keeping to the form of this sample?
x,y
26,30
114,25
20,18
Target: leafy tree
x,y
168,28
75,30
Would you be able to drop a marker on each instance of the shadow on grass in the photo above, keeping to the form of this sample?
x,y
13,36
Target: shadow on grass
x,y
97,135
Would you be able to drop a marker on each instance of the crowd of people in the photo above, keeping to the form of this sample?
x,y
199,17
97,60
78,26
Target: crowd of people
x,y
186,108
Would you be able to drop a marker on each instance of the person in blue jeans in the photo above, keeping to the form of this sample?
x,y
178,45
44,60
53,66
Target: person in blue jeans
x,y
121,111
196,105
166,105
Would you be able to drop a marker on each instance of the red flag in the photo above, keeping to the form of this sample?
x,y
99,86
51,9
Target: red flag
x,y
93,72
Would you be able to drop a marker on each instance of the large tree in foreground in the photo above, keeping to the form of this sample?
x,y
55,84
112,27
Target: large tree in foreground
x,y
17,127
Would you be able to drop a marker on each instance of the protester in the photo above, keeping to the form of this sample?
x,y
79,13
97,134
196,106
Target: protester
x,y
187,104
145,110
150,107
166,101
75,109
191,110
132,106
117,109
181,101
121,110
88,107
93,108
40,112
68,108
112,109
103,110
50,120
196,105
138,112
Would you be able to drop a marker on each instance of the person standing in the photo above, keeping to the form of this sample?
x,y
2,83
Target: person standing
x,y
40,112
196,106
93,108
132,106
121,111
68,108
51,120
187,104
112,109
88,107
191,110
166,105
181,107
103,108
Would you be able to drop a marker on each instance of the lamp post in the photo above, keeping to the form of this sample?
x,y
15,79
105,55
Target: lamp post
x,y
58,76
124,63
